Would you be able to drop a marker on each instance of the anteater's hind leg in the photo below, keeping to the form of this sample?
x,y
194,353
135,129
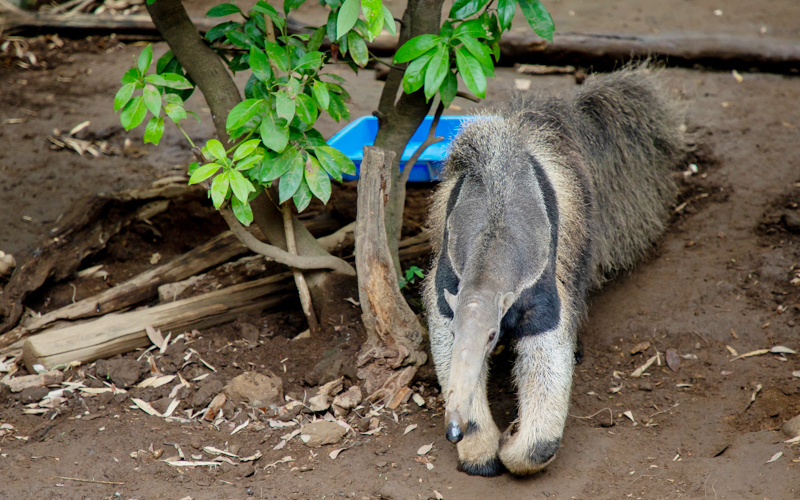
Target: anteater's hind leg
x,y
477,452
543,374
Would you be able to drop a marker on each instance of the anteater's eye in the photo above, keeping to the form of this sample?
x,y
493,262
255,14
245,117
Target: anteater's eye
x,y
492,335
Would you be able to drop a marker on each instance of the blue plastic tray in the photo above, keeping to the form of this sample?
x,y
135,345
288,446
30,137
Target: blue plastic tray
x,y
362,131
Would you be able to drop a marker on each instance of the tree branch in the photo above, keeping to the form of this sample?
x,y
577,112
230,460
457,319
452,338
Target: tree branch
x,y
282,256
431,139
468,96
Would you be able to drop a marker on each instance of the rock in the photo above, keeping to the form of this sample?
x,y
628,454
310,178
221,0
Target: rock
x,y
207,389
123,372
792,427
7,263
393,490
348,399
363,424
321,432
322,400
33,395
645,386
249,332
255,389
245,470
791,220
289,411
325,371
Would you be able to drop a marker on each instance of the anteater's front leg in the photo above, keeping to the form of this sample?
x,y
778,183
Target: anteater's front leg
x,y
543,374
477,451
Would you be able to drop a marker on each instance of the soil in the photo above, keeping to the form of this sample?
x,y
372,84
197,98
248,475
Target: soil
x,y
718,281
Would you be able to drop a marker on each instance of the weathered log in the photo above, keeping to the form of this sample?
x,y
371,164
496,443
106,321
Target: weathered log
x,y
609,51
115,334
393,351
19,384
247,268
83,231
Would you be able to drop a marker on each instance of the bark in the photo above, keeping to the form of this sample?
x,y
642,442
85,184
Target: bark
x,y
221,94
400,118
389,359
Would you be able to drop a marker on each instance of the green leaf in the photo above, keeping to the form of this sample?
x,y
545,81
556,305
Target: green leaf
x,y
462,9
289,160
245,149
317,179
219,189
242,211
290,5
152,99
471,71
175,112
217,150
238,39
505,12
348,15
437,70
202,173
264,8
447,92
415,47
316,39
335,162
371,9
302,197
154,130
290,181
358,48
124,95
284,105
446,30
414,76
164,61
176,81
133,113
259,64
277,55
337,108
130,76
311,60
242,112
240,186
248,162
538,18
320,90
479,50
473,27
388,21
219,30
273,133
145,58
306,108
223,9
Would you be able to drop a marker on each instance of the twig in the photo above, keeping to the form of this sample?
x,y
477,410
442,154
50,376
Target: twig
x,y
431,139
299,279
753,398
610,413
281,256
698,334
87,480
468,96
659,412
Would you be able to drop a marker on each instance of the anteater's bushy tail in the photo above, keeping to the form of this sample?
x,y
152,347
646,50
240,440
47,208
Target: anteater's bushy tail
x,y
631,141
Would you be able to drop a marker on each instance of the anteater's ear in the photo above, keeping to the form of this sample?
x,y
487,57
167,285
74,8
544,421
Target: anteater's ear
x,y
452,300
505,301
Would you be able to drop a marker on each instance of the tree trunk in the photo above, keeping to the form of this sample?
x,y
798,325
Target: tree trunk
x,y
399,120
221,94
393,351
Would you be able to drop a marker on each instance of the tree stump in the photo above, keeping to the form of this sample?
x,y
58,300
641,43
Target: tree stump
x,y
393,351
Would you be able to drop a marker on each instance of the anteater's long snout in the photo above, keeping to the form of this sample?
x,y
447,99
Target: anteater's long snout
x,y
466,366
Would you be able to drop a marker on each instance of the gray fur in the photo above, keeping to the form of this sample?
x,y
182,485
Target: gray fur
x,y
541,201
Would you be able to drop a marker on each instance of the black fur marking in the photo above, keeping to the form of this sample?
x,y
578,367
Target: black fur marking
x,y
490,468
472,427
446,278
550,203
542,452
537,310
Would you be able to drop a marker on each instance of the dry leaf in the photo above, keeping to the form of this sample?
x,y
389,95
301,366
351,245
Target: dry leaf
x,y
373,431
171,408
335,453
145,407
731,350
409,429
638,372
615,390
418,399
673,360
796,374
779,349
733,334
629,414
758,352
795,439
252,457
438,495
423,450
240,427
775,457
737,76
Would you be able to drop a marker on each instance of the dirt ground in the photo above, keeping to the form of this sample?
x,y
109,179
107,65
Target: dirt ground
x,y
717,282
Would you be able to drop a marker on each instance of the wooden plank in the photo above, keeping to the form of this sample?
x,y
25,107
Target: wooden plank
x,y
115,334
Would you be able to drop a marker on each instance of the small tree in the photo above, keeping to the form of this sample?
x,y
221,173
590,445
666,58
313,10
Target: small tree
x,y
268,152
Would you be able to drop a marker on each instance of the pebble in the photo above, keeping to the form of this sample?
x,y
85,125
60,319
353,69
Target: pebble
x,y
791,428
321,433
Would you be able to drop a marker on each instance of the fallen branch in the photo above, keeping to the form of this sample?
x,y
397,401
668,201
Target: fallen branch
x,y
115,334
282,256
299,279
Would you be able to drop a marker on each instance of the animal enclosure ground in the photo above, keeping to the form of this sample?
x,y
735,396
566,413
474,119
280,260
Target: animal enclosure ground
x,y
720,279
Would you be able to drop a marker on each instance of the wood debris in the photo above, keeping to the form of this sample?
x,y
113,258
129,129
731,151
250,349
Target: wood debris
x,y
640,347
753,397
778,349
639,371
